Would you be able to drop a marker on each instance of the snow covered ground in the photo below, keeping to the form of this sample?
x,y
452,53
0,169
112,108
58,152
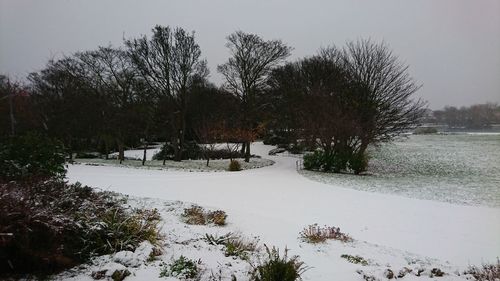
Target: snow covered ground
x,y
186,165
461,168
276,203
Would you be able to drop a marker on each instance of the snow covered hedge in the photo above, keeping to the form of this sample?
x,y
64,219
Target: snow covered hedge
x,y
50,225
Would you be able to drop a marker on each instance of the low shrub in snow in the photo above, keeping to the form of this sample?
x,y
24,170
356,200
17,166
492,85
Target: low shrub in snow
x,y
358,163
217,217
317,234
182,268
194,215
238,246
50,225
30,156
198,215
488,272
278,268
190,150
234,166
235,245
355,259
336,162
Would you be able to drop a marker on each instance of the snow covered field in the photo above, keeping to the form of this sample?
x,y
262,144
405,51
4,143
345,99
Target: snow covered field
x,y
457,168
276,203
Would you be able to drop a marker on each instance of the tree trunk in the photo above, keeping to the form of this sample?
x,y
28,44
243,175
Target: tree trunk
x,y
243,148
165,155
177,149
247,152
121,152
70,150
11,114
144,154
106,149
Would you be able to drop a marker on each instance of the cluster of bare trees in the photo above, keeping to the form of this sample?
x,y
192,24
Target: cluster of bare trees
x,y
478,116
157,88
344,99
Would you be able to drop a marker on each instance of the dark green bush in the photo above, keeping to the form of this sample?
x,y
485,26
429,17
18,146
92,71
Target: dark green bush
x,y
275,139
190,150
325,162
44,235
31,156
358,162
278,268
87,155
234,166
225,154
313,161
335,162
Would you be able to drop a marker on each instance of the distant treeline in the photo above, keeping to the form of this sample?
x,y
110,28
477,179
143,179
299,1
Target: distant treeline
x,y
478,116
157,88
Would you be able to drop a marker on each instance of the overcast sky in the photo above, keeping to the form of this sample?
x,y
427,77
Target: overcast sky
x,y
452,46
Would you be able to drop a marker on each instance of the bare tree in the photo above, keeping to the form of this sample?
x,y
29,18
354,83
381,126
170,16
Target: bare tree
x,y
350,98
168,62
111,73
247,70
385,92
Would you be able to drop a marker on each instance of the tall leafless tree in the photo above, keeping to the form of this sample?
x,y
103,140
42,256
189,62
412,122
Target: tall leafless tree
x,y
247,70
168,62
111,73
388,105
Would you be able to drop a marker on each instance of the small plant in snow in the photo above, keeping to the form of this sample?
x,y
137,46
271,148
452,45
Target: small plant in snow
x,y
238,246
217,240
194,215
182,268
278,268
355,259
217,217
235,245
317,234
198,216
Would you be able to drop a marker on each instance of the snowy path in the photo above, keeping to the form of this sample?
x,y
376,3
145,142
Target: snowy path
x,y
276,203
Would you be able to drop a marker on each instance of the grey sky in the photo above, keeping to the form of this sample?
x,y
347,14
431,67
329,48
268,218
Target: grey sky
x,y
452,46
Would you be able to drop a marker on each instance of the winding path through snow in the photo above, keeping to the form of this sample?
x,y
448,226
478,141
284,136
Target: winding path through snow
x,y
276,203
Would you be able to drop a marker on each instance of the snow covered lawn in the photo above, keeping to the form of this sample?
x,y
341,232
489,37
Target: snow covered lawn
x,y
275,203
185,165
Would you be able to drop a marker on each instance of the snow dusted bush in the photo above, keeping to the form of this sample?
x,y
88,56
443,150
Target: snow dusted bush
x,y
49,225
30,156
488,272
278,268
317,234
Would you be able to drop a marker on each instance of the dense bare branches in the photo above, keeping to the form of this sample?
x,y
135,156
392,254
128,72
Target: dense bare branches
x,y
388,89
246,71
349,98
168,62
